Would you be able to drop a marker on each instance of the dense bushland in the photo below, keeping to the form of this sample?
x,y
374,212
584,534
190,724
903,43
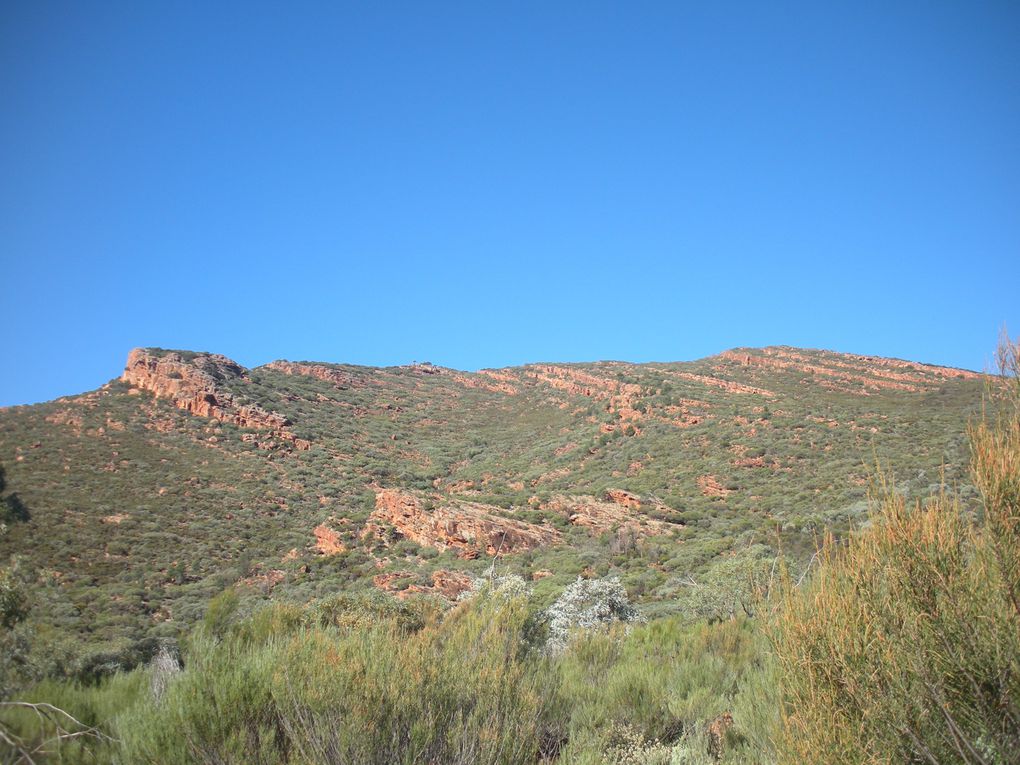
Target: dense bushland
x,y
349,681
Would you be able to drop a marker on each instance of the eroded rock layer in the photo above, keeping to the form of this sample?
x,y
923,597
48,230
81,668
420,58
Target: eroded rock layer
x,y
470,528
849,373
617,512
196,385
444,583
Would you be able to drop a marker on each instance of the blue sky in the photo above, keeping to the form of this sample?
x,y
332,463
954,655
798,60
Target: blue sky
x,y
483,184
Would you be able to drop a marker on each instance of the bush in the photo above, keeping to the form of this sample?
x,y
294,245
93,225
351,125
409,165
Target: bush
x,y
585,605
460,691
285,685
905,644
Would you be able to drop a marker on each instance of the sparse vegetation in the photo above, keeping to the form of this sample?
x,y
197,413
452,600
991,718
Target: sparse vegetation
x,y
216,633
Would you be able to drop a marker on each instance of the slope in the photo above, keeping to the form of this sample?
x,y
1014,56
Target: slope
x,y
191,474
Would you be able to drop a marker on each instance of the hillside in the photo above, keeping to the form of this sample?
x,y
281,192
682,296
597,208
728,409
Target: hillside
x,y
190,474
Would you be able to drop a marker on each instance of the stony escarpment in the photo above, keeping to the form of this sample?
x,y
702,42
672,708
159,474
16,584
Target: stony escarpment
x,y
618,511
469,528
849,373
327,540
196,384
473,529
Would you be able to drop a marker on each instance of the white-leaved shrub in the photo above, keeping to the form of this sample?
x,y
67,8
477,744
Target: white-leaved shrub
x,y
587,604
164,667
506,586
626,746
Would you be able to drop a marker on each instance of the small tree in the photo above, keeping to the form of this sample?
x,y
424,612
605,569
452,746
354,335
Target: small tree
x,y
734,585
12,509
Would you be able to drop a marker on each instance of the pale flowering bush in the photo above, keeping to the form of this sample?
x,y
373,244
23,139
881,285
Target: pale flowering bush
x,y
165,666
505,587
626,746
584,605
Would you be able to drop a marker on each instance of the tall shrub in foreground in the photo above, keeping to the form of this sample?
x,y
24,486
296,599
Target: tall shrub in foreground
x,y
905,644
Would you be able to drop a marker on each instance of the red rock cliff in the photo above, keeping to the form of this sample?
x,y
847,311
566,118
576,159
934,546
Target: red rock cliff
x,y
196,385
469,528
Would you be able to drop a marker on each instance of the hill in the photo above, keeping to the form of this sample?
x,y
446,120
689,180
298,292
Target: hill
x,y
191,474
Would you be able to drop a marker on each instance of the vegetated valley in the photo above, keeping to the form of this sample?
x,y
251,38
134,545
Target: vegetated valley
x,y
573,563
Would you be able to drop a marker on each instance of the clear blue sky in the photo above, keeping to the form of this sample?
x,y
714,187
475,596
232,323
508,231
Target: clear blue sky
x,y
485,184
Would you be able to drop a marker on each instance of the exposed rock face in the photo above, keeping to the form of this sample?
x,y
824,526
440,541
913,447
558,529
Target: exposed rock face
x,y
727,385
265,581
581,383
623,498
847,373
601,516
195,385
483,381
567,447
716,733
470,528
450,584
66,417
327,540
502,382
445,583
492,381
623,400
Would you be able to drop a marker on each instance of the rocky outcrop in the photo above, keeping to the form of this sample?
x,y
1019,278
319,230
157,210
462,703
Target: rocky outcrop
x,y
327,540
580,383
500,381
446,584
726,385
195,383
469,528
623,498
627,402
716,734
482,381
333,375
711,487
265,581
893,369
609,515
565,448
493,381
848,373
